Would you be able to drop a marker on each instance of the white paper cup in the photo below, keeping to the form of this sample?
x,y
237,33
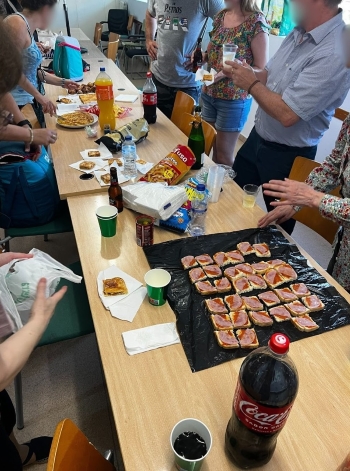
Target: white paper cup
x,y
190,425
215,181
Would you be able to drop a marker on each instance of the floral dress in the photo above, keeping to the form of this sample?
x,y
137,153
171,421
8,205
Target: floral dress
x,y
242,36
335,171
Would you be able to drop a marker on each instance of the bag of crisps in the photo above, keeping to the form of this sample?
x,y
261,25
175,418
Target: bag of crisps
x,y
173,167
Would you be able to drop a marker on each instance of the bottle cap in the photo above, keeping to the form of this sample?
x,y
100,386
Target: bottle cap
x,y
149,74
198,109
201,187
279,343
128,138
102,69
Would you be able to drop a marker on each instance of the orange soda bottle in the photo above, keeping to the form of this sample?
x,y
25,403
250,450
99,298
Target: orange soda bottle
x,y
105,99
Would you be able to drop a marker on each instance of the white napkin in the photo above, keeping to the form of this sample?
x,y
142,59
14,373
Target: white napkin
x,y
127,309
73,98
201,72
113,272
63,108
99,173
97,166
126,98
105,153
149,338
143,168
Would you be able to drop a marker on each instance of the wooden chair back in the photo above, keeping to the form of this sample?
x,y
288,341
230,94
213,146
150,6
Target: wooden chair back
x,y
130,23
113,45
71,450
29,114
311,216
208,130
183,104
97,34
341,114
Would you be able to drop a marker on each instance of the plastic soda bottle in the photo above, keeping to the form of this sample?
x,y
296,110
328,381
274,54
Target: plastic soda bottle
x,y
129,156
199,206
105,99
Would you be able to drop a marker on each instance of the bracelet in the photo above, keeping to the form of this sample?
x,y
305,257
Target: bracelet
x,y
252,85
31,135
24,122
63,83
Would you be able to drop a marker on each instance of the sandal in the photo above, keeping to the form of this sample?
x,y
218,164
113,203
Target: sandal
x,y
40,447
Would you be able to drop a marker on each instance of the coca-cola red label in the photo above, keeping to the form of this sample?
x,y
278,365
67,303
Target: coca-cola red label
x,y
256,416
149,99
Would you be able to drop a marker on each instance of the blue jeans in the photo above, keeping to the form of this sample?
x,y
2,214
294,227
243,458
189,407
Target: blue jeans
x,y
167,95
228,115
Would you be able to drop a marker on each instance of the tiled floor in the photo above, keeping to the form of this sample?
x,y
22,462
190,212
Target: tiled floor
x,y
66,379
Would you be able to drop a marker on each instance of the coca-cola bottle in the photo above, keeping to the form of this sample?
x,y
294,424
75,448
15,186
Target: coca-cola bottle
x,y
149,100
265,393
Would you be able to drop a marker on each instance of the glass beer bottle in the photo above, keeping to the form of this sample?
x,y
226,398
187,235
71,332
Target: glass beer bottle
x,y
115,191
196,140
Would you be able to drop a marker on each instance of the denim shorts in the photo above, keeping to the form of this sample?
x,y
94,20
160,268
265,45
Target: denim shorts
x,y
228,115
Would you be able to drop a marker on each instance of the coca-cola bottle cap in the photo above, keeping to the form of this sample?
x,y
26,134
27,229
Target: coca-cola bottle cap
x,y
279,343
149,74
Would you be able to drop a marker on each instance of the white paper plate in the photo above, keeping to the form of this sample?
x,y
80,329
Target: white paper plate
x,y
80,126
74,99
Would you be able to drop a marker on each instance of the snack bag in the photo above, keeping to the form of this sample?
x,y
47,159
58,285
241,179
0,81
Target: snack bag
x,y
22,278
172,168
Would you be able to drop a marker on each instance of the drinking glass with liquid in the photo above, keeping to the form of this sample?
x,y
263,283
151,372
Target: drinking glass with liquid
x,y
250,195
228,54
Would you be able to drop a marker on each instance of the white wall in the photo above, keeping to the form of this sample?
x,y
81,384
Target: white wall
x,y
327,142
83,14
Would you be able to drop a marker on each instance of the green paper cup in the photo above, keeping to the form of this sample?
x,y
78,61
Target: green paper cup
x,y
190,425
157,282
107,219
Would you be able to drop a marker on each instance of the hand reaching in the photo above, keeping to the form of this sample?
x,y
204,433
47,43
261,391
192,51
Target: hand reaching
x,y
48,106
278,216
43,307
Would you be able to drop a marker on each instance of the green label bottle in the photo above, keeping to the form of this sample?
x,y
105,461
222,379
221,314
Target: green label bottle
x,y
196,140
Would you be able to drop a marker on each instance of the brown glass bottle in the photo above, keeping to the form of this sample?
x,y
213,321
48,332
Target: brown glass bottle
x,y
197,56
115,191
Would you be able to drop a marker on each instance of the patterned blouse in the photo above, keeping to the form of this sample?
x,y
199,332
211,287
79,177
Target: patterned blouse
x,y
242,36
335,171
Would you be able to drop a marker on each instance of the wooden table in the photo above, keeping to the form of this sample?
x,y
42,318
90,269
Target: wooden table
x,y
152,391
162,138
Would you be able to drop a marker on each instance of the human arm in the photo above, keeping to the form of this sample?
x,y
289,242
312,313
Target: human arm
x,y
15,351
48,106
57,81
151,28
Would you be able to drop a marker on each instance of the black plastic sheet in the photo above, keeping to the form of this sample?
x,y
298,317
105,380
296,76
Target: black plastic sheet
x,y
193,320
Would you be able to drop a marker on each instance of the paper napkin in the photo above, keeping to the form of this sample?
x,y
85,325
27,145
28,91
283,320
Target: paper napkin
x,y
99,173
105,153
126,98
200,74
97,167
127,309
112,272
143,168
149,338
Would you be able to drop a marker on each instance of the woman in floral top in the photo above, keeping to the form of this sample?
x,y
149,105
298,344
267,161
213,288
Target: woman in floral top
x,y
334,171
225,105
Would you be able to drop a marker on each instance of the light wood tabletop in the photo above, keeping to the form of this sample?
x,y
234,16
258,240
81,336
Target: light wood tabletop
x,y
152,391
162,138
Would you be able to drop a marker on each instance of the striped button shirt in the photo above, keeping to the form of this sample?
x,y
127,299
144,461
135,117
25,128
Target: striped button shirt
x,y
309,72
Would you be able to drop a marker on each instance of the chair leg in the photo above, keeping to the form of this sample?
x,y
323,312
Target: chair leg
x,y
46,238
19,401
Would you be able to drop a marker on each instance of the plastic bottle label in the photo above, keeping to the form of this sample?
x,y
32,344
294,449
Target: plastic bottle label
x,y
257,417
104,92
149,99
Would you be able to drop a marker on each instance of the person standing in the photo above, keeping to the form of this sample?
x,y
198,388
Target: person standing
x,y
297,93
225,105
178,25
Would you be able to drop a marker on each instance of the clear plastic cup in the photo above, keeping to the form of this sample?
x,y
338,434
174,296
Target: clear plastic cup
x,y
250,195
228,54
215,181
